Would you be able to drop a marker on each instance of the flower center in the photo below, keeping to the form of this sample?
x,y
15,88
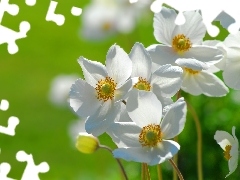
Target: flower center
x,y
181,43
227,152
106,26
142,84
105,89
150,135
190,71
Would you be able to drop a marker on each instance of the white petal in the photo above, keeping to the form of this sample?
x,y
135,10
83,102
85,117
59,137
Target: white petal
x,y
207,54
204,83
118,64
164,100
137,154
233,161
168,78
193,28
164,151
233,40
231,75
174,120
122,91
192,64
93,71
102,119
141,61
144,108
125,134
223,138
83,98
162,54
164,24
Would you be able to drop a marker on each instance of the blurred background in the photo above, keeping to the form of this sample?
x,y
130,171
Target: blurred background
x,y
36,80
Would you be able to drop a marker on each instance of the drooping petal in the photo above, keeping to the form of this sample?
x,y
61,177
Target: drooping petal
x,y
231,75
174,120
204,83
137,154
93,71
141,61
164,24
103,118
164,151
162,54
223,138
144,108
207,54
193,28
83,98
168,78
192,64
233,161
125,134
118,64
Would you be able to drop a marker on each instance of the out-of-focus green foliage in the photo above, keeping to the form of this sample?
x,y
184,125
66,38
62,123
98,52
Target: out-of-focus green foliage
x,y
50,50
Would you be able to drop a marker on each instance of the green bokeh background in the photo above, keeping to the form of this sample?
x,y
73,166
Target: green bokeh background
x,y
50,50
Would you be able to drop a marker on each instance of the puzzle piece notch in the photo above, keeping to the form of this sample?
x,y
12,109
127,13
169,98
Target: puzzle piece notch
x,y
51,16
208,12
10,129
31,171
30,2
12,9
4,105
76,11
4,170
9,36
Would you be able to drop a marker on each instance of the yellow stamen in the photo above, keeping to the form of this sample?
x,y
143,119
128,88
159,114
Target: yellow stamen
x,y
106,26
105,89
150,135
227,152
190,71
181,43
142,84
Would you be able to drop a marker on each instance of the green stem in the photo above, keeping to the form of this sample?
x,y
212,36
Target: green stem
x,y
118,161
159,172
176,169
199,142
145,172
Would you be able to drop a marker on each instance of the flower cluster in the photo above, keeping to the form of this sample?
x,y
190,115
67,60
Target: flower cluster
x,y
131,97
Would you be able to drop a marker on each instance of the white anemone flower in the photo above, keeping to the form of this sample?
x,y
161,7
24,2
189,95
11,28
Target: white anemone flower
x,y
164,82
231,73
146,139
182,45
98,96
229,143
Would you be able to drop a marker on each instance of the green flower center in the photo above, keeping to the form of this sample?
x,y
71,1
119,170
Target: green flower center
x,y
181,43
150,135
142,84
105,89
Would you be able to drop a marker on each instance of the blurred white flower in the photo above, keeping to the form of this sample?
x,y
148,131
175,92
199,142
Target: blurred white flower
x,y
59,89
75,127
229,143
145,139
98,96
103,18
182,45
231,73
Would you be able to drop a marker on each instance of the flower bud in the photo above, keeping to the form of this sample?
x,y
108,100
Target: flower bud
x,y
87,143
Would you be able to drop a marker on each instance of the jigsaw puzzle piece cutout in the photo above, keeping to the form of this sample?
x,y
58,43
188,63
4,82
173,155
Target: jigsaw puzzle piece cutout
x,y
76,11
31,171
10,129
30,2
51,16
4,105
9,36
4,170
12,9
